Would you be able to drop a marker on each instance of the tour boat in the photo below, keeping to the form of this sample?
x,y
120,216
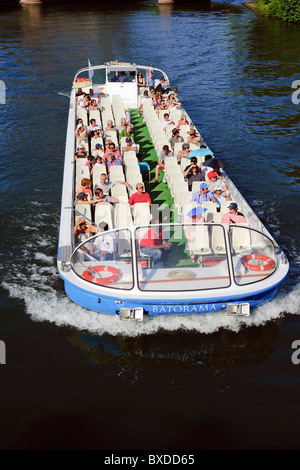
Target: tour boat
x,y
193,264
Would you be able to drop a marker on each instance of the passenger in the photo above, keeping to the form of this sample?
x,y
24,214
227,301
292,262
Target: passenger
x,y
128,132
194,138
97,136
163,86
104,245
81,152
123,77
99,162
129,145
94,106
127,114
139,196
172,104
153,244
140,80
110,126
78,94
89,161
98,150
122,126
176,138
94,127
85,187
149,79
112,149
82,198
81,133
95,96
220,196
202,195
101,198
193,173
144,99
182,121
82,101
113,161
83,228
165,153
184,153
214,181
107,185
79,121
233,216
167,121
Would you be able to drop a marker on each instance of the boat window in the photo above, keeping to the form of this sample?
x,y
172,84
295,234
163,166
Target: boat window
x,y
182,257
253,255
106,260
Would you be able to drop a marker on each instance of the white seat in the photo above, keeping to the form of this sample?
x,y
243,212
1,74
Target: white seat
x,y
95,114
98,170
180,189
84,211
210,206
141,213
116,173
199,239
81,172
240,238
119,191
123,217
218,240
104,213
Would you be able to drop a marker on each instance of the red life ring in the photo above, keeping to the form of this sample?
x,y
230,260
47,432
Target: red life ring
x,y
82,80
268,263
89,276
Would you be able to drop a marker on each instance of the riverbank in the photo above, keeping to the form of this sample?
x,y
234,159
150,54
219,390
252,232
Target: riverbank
x,y
288,10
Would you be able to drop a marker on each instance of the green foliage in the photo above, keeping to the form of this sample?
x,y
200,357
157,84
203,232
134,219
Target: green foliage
x,y
288,10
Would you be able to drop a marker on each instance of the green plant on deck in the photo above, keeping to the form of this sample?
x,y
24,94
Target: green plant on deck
x,y
288,10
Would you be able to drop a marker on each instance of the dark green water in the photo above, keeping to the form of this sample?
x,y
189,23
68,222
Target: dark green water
x,y
74,380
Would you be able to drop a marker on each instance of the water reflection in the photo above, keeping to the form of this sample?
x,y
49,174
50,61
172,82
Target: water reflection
x,y
129,358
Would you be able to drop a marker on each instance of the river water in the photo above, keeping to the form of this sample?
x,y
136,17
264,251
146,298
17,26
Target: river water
x,y
73,380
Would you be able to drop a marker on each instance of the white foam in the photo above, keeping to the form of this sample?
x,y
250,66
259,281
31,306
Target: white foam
x,y
49,305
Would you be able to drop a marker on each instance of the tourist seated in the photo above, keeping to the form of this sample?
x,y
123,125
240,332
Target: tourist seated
x,y
94,106
172,104
233,216
194,137
215,181
94,127
202,195
154,245
166,121
99,161
106,185
193,173
110,126
128,132
78,94
82,102
104,246
85,187
89,161
144,99
81,152
129,145
112,149
95,96
98,150
79,121
101,198
165,153
176,138
163,86
140,80
184,153
98,135
113,161
83,198
139,196
83,228
220,196
183,121
81,132
122,126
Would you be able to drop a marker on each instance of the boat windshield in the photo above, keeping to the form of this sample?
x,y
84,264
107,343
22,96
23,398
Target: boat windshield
x,y
188,257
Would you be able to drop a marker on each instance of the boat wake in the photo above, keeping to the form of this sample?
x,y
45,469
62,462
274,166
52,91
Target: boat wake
x,y
40,288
